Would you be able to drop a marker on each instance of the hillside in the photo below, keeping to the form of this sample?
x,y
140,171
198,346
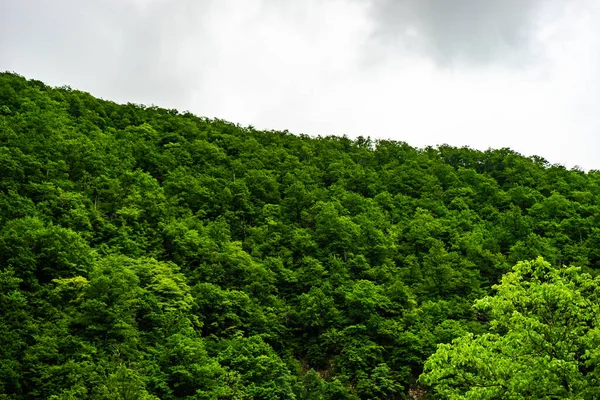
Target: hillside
x,y
147,253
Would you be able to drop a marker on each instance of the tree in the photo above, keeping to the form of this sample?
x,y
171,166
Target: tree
x,y
150,253
543,341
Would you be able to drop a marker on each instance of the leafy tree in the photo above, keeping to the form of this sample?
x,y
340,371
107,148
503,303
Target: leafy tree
x,y
543,340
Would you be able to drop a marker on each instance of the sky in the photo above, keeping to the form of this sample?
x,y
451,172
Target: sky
x,y
486,74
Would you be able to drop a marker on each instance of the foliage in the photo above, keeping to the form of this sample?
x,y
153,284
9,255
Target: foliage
x,y
543,340
151,253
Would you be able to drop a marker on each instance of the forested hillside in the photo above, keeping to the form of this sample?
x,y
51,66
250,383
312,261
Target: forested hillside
x,y
147,253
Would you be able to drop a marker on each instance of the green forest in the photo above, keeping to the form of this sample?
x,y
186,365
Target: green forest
x,y
148,253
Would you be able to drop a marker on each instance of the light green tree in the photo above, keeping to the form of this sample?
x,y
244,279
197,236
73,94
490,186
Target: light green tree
x,y
543,342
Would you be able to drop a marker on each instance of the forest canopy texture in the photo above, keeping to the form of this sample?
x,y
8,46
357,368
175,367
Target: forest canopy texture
x,y
147,253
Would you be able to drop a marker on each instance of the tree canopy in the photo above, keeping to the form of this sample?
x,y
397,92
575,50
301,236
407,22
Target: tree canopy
x,y
150,253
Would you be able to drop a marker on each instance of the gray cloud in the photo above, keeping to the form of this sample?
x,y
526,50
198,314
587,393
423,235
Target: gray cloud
x,y
451,31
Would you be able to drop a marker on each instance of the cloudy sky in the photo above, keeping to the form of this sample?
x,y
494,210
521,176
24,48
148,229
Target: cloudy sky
x,y
484,73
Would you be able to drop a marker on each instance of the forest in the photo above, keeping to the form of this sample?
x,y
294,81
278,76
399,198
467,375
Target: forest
x,y
148,253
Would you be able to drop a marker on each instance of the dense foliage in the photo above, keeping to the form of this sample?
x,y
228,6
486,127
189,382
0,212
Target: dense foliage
x,y
147,253
544,341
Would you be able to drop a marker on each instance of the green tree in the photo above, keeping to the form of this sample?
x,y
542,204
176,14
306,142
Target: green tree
x,y
543,342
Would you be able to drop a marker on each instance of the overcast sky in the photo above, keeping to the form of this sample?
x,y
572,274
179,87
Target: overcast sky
x,y
523,74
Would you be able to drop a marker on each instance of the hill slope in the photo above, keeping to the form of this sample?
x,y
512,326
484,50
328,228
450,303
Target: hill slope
x,y
147,253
